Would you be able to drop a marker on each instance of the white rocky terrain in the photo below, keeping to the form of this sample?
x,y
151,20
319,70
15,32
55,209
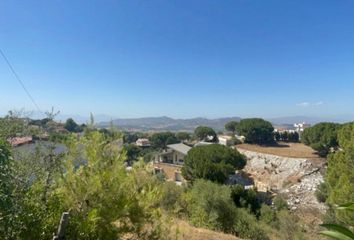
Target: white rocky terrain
x,y
295,178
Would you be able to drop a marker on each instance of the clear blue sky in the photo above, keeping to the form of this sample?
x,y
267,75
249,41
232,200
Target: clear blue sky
x,y
180,58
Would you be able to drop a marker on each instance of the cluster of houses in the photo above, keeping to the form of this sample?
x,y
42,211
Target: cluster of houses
x,y
296,128
170,160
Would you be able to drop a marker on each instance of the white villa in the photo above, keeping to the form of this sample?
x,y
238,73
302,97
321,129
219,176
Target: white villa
x,y
174,154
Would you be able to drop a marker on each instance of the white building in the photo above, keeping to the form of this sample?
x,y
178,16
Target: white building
x,y
143,142
300,127
225,140
174,154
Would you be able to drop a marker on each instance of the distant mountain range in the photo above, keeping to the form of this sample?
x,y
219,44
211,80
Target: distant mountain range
x,y
167,123
171,124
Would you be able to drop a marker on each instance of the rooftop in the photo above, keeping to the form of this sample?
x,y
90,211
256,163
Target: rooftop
x,y
180,147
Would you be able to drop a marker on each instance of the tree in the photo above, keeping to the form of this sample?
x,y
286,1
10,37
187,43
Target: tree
x,y
231,126
340,173
293,137
213,162
132,151
183,136
284,136
72,126
205,133
162,139
321,137
129,137
277,136
256,130
106,201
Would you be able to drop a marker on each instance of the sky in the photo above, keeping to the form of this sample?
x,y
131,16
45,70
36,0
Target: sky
x,y
183,58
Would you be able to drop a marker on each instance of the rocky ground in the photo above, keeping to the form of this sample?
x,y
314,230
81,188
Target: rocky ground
x,y
295,178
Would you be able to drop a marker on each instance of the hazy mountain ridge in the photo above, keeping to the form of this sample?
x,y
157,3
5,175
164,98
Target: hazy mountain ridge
x,y
167,123
171,124
188,124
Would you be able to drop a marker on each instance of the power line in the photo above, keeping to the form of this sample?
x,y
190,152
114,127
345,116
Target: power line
x,y
19,80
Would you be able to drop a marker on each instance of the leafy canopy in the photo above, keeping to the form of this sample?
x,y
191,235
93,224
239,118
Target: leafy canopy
x,y
321,137
231,126
162,139
205,133
72,126
256,130
183,136
213,162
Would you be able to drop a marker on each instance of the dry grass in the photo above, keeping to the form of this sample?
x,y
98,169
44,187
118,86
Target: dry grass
x,y
293,150
168,169
184,231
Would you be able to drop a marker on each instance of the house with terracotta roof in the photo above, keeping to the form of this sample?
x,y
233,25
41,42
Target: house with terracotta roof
x,y
17,141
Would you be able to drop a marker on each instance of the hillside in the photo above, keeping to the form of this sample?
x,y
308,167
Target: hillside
x,y
171,124
167,123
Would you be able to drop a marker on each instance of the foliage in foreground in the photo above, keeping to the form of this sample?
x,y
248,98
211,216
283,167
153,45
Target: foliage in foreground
x,y
340,174
105,201
336,231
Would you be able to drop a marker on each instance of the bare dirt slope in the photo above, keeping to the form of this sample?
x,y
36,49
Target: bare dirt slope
x,y
293,150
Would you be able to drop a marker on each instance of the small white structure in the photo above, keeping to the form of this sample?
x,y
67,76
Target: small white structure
x,y
225,140
240,138
143,142
300,127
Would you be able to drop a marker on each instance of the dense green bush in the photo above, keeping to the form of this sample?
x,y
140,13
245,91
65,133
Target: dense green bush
x,y
247,226
321,137
213,162
173,199
210,205
245,198
268,215
279,203
322,192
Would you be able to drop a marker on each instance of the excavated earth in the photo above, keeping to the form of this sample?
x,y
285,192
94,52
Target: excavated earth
x,y
296,179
